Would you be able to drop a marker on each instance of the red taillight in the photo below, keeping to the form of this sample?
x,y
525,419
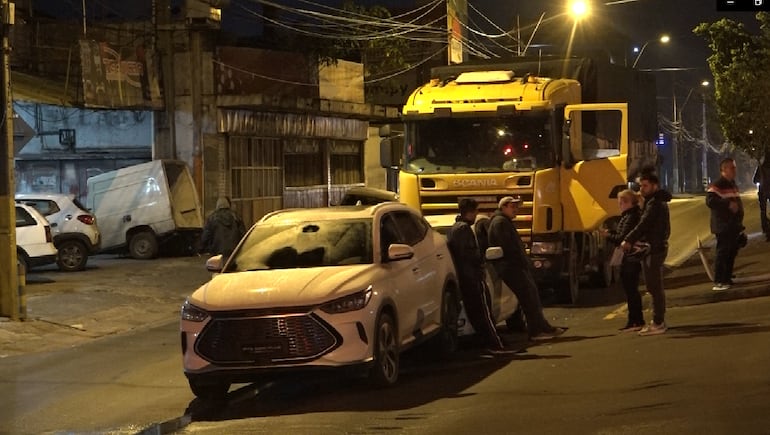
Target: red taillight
x,y
48,237
86,219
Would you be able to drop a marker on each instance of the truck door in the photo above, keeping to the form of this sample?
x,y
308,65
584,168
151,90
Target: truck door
x,y
594,156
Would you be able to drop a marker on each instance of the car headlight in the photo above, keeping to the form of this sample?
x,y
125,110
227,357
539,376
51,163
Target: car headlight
x,y
545,248
192,313
345,304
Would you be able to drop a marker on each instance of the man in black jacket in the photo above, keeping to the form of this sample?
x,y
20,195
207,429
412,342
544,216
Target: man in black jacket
x,y
762,180
654,227
515,269
222,231
724,200
470,272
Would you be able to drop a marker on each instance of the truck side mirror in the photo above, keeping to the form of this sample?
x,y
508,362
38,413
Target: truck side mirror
x,y
386,153
566,148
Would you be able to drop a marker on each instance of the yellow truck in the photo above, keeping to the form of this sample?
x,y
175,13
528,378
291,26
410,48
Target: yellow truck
x,y
566,146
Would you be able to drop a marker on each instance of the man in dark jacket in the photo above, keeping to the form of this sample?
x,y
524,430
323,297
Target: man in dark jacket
x,y
724,200
762,179
223,230
654,227
515,269
470,272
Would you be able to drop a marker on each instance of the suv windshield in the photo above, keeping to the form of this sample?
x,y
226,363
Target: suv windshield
x,y
485,144
305,244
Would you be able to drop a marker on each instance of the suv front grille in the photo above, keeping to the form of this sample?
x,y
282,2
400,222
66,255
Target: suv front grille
x,y
270,340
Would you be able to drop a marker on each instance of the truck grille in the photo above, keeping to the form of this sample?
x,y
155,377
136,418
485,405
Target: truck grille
x,y
270,340
437,203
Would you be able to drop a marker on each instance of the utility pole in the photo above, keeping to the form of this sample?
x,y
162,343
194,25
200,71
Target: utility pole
x,y
675,149
704,166
9,278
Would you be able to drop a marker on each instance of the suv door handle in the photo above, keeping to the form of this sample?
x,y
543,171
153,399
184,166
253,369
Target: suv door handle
x,y
415,269
439,256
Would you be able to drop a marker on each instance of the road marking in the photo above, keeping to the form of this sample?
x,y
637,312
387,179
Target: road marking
x,y
616,312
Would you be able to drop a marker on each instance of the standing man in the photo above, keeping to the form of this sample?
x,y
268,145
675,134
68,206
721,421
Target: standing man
x,y
762,178
654,227
222,231
724,200
470,271
515,269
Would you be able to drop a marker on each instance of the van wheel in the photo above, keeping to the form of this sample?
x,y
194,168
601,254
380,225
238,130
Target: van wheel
x,y
143,246
23,261
385,370
72,256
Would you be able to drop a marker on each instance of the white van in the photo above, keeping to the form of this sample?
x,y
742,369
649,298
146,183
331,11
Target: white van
x,y
143,206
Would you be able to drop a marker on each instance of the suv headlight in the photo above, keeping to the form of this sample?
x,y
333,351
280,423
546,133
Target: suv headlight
x,y
545,248
345,304
192,313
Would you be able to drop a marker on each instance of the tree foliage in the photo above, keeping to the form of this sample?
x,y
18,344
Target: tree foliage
x,y
740,64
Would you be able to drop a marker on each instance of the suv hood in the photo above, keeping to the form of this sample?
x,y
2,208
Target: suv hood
x,y
282,287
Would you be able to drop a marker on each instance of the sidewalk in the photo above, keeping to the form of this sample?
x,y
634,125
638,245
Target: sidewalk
x,y
119,295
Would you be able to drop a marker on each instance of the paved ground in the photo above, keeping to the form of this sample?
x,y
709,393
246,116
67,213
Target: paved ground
x,y
115,295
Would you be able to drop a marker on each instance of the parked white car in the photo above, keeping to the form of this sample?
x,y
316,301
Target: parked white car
x,y
34,242
313,288
75,233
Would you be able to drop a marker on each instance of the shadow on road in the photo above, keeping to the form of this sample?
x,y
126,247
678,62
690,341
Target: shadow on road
x,y
420,382
715,330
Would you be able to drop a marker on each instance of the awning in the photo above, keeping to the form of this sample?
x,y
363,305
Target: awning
x,y
25,87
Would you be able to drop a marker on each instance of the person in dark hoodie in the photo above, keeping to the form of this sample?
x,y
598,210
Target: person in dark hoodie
x,y
223,230
515,269
654,228
724,200
628,201
470,272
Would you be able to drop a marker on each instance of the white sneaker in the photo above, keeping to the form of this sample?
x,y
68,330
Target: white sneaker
x,y
718,287
654,329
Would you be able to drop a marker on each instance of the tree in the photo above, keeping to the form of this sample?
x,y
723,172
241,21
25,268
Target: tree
x,y
740,64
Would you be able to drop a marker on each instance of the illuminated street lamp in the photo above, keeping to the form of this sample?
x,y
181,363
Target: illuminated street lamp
x,y
579,9
664,39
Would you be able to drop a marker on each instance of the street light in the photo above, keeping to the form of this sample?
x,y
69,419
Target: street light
x,y
579,9
664,39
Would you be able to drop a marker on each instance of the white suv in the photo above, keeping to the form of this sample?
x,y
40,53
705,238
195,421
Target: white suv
x,y
313,288
75,233
34,245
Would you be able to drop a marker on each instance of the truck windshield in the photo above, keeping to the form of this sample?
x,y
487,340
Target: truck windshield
x,y
483,144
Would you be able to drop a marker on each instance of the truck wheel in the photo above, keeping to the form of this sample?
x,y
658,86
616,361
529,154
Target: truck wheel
x,y
570,286
143,246
604,274
384,372
72,256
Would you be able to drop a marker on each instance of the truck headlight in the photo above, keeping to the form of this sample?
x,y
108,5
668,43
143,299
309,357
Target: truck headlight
x,y
545,248
345,304
192,313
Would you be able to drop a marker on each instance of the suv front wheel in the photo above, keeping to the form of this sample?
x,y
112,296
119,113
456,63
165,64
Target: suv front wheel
x,y
73,255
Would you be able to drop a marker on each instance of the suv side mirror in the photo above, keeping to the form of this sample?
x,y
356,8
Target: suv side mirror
x,y
494,253
215,263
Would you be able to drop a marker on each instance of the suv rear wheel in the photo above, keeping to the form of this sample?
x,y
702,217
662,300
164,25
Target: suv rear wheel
x,y
73,255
